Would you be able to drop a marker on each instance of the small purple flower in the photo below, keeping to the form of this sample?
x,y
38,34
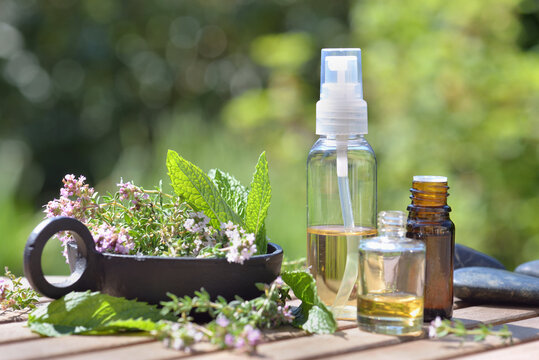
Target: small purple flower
x,y
5,285
287,313
433,328
253,335
127,189
108,238
241,244
240,343
188,224
222,321
230,340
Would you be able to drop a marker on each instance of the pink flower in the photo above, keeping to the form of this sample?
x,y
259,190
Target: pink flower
x,y
5,285
222,321
108,238
433,328
241,245
230,340
252,335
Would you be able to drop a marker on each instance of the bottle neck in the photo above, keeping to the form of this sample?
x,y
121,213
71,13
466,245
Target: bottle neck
x,y
392,233
428,213
392,224
429,194
348,137
429,200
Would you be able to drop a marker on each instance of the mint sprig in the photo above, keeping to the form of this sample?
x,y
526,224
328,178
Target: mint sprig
x,y
194,187
312,315
93,313
221,196
232,191
258,203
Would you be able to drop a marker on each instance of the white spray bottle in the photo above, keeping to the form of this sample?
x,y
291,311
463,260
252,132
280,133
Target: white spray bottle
x,y
341,182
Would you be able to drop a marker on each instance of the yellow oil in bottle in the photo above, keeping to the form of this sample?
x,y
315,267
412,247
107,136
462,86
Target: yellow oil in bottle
x,y
326,257
390,310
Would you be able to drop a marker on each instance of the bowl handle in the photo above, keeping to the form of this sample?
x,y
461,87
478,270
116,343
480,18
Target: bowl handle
x,y
84,274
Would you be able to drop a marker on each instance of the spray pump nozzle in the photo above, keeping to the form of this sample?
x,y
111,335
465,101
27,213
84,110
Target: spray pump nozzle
x,y
341,109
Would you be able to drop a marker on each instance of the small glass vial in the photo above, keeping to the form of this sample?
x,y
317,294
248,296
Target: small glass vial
x,y
391,281
429,222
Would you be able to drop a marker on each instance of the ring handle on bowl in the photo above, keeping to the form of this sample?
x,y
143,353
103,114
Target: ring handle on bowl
x,y
84,270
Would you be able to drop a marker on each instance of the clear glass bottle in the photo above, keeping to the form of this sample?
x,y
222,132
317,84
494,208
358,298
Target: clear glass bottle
x,y
391,281
428,221
341,182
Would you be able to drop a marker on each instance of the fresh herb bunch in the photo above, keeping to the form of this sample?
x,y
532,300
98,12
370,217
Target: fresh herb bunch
x,y
13,294
222,198
210,216
439,328
235,324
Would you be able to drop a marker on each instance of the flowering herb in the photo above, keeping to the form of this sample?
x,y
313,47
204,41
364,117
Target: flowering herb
x,y
209,217
439,328
220,197
235,324
13,295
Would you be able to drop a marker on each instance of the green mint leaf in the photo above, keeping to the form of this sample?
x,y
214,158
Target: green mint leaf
x,y
312,315
258,202
232,191
197,189
320,321
93,313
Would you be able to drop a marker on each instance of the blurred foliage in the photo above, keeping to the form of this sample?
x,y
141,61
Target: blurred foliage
x,y
104,88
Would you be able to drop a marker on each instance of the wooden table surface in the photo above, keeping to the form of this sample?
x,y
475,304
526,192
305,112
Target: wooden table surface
x,y
17,342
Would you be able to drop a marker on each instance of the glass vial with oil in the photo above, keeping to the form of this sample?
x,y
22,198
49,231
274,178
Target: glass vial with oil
x,y
341,182
391,281
429,222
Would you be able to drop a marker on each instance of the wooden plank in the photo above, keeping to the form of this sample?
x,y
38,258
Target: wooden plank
x,y
313,346
524,351
9,316
356,341
523,330
47,348
494,314
156,350
15,332
146,351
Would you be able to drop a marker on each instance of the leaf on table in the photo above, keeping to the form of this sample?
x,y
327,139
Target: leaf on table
x,y
312,315
93,313
198,190
232,191
320,321
258,202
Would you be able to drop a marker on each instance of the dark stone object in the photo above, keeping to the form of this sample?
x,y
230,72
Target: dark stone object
x,y
146,278
530,268
466,257
487,285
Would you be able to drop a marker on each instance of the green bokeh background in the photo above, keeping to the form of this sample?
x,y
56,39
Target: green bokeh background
x,y
103,88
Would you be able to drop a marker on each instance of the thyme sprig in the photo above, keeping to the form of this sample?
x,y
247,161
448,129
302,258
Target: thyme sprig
x,y
234,324
440,328
14,295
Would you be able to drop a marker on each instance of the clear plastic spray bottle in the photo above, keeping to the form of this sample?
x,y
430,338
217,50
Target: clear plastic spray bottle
x,y
341,182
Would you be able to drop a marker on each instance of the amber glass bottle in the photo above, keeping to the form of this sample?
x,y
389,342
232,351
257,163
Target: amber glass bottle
x,y
428,221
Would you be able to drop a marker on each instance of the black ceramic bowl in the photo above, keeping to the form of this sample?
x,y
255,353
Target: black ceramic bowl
x,y
146,278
